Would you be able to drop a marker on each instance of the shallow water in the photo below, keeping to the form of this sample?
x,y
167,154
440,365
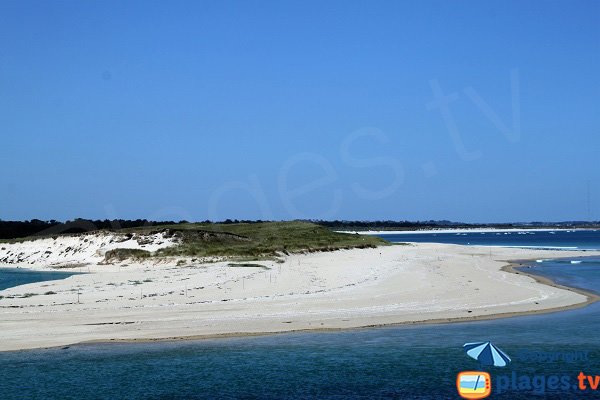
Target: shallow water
x,y
10,277
580,273
402,362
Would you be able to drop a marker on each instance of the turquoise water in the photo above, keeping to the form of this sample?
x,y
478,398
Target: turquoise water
x,y
410,362
10,277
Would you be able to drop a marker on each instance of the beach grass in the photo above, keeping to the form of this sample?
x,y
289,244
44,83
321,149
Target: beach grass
x,y
241,242
262,240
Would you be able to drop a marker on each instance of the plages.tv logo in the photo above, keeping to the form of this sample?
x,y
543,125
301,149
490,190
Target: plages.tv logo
x,y
478,384
473,384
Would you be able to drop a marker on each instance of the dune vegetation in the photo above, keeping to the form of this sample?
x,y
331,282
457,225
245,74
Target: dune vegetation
x,y
257,240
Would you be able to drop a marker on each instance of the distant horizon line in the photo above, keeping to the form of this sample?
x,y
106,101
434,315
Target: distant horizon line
x,y
342,221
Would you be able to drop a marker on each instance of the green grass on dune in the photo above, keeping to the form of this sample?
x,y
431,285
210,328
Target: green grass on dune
x,y
240,241
259,240
122,254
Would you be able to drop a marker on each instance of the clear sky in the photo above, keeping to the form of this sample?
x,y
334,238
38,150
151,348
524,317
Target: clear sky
x,y
464,110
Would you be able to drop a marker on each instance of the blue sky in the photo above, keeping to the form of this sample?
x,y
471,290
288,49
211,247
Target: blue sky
x,y
300,109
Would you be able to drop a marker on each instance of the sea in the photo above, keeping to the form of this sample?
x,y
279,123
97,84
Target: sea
x,y
551,354
10,277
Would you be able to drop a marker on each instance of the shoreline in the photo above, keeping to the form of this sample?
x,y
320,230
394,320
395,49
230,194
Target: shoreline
x,y
464,230
511,268
591,298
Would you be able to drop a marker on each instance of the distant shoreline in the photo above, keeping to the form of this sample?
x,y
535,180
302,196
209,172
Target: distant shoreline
x,y
463,230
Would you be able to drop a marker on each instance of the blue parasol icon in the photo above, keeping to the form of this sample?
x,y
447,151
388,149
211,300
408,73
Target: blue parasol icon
x,y
487,354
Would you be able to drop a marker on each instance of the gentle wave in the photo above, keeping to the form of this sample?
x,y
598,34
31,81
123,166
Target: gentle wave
x,y
542,247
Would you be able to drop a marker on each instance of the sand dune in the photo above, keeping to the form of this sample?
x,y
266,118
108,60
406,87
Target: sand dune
x,y
341,289
87,248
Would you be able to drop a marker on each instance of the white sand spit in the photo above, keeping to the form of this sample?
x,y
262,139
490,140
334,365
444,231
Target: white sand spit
x,y
342,289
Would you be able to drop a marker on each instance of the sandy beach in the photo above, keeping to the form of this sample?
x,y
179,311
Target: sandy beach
x,y
181,298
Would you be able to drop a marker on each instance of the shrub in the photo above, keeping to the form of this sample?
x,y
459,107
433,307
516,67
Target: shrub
x,y
124,254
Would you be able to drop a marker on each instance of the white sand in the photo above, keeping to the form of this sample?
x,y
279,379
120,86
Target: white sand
x,y
77,249
342,289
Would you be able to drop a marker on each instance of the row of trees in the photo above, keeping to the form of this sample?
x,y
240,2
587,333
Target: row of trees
x,y
19,229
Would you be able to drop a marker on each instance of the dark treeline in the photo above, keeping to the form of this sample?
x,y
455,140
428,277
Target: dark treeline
x,y
20,229
389,224
36,227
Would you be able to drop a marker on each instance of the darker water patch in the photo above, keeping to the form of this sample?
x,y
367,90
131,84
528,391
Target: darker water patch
x,y
11,277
